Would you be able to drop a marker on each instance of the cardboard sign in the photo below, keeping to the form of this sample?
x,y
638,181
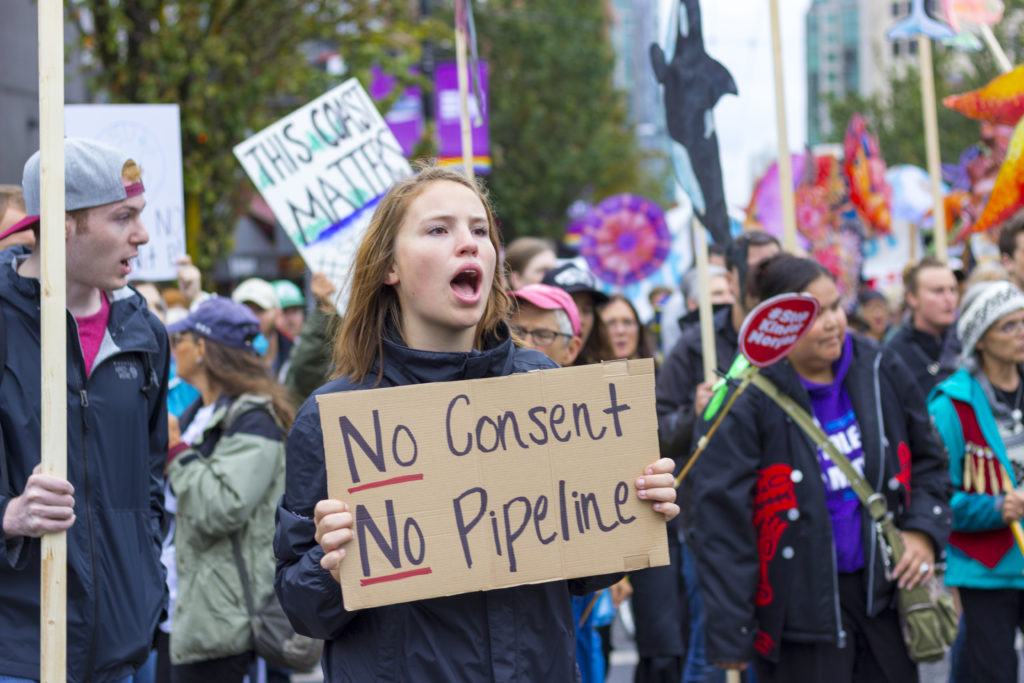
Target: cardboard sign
x,y
497,482
322,170
151,135
771,330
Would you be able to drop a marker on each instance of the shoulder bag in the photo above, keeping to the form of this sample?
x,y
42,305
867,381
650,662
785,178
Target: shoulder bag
x,y
273,637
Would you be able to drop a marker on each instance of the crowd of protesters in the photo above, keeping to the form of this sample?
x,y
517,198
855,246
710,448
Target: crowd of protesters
x,y
196,483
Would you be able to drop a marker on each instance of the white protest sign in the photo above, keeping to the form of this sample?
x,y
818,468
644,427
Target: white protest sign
x,y
151,135
322,170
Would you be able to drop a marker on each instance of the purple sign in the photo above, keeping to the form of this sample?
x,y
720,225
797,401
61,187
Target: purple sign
x,y
448,110
405,119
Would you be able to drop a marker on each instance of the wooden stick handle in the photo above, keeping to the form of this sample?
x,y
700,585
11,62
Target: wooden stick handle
x,y
703,442
732,676
931,139
996,49
53,346
785,164
1015,527
707,324
465,124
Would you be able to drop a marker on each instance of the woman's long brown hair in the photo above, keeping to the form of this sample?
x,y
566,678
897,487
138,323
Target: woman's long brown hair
x,y
236,371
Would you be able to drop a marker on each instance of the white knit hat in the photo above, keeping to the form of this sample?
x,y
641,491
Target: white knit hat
x,y
982,306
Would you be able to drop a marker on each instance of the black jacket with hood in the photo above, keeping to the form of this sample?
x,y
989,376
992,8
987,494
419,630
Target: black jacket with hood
x,y
777,580
117,447
524,633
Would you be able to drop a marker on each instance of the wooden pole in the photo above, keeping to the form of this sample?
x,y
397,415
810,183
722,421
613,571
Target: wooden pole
x,y
931,139
53,330
732,676
1015,527
707,323
996,49
464,120
785,164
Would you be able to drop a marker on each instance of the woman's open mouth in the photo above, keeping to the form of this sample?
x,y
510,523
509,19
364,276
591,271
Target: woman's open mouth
x,y
466,284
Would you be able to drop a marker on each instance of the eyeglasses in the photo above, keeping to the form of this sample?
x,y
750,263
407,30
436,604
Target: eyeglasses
x,y
1012,326
540,336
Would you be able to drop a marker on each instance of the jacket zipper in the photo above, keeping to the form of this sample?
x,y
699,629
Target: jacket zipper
x,y
881,476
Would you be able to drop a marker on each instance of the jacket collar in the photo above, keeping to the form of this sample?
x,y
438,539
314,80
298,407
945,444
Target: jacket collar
x,y
403,365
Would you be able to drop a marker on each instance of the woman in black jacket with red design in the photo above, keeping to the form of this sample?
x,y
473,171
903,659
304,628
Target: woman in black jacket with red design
x,y
791,567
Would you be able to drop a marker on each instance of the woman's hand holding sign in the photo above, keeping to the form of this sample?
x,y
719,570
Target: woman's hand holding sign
x,y
333,530
658,486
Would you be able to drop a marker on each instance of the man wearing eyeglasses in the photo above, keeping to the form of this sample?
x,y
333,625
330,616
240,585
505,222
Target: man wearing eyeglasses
x,y
546,319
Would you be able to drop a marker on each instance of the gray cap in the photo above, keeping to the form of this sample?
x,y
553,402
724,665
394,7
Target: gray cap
x,y
92,176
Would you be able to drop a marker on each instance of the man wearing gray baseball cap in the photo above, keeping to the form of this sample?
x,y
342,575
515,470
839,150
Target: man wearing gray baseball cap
x,y
111,503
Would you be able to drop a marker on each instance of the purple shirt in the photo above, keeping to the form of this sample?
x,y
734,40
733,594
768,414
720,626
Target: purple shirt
x,y
830,404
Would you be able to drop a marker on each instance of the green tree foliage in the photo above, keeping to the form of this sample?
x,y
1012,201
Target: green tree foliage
x,y
558,127
234,67
897,117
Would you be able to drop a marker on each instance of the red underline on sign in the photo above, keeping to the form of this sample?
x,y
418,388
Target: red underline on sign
x,y
386,482
394,577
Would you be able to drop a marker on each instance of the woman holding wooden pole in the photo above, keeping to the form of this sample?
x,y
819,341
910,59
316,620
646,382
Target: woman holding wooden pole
x,y
978,412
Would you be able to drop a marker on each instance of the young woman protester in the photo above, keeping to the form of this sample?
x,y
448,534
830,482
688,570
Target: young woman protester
x,y
978,411
226,469
427,304
790,565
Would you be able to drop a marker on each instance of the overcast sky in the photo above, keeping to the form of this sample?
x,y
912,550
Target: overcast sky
x,y
737,33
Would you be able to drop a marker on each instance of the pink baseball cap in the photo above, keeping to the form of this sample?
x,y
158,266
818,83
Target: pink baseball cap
x,y
24,224
550,298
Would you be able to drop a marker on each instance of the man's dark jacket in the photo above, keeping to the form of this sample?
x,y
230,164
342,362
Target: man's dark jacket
x,y
678,378
930,359
117,447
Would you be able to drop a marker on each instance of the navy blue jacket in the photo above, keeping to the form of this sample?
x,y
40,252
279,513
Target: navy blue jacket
x,y
524,633
761,530
117,446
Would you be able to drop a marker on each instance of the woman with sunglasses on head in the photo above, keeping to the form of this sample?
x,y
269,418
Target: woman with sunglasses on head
x,y
427,304
226,470
790,563
978,413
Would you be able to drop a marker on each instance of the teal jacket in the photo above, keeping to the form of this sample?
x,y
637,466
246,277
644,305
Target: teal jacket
x,y
981,552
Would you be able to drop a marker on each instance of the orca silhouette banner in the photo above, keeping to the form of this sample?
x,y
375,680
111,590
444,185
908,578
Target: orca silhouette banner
x,y
693,83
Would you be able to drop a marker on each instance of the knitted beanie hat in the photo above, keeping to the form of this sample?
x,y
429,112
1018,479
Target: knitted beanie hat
x,y
982,306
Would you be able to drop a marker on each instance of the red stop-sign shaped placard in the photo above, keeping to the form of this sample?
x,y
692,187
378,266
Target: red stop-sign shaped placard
x,y
772,329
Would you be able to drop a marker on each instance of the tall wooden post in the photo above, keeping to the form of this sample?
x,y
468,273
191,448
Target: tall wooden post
x,y
53,331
